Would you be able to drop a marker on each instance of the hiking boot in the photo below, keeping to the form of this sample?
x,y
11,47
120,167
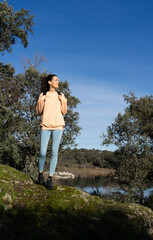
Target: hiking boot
x,y
41,179
49,184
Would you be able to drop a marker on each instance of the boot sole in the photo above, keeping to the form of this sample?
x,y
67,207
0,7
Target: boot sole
x,y
49,187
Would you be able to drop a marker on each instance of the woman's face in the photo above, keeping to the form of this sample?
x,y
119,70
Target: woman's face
x,y
55,82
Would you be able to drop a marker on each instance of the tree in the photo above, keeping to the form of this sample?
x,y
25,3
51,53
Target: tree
x,y
132,133
20,124
71,129
14,26
18,95
8,121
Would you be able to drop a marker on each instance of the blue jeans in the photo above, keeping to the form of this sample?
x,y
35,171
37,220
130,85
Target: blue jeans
x,y
44,139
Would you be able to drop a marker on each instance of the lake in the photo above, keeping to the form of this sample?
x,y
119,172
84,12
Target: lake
x,y
101,184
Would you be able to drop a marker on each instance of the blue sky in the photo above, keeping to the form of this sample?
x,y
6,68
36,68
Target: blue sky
x,y
103,48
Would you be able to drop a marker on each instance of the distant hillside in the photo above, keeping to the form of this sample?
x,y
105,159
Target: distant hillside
x,y
102,159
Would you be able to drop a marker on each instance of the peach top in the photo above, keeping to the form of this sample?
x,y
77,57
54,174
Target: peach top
x,y
51,108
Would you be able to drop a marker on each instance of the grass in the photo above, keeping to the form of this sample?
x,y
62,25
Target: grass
x,y
66,213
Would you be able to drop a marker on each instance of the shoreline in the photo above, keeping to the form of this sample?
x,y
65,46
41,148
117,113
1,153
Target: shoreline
x,y
82,171
86,171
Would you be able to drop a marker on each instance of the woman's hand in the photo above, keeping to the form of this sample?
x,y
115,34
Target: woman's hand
x,y
42,97
60,96
40,104
63,101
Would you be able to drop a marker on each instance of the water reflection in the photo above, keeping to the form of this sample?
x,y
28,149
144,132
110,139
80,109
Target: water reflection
x,y
99,184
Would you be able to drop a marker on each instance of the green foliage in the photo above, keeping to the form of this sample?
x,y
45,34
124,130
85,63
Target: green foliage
x,y
97,158
132,132
20,126
71,129
149,201
13,26
8,120
19,93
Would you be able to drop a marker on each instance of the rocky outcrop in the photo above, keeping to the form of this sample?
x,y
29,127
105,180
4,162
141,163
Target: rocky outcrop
x,y
64,175
30,211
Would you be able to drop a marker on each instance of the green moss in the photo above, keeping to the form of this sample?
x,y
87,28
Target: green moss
x,y
66,212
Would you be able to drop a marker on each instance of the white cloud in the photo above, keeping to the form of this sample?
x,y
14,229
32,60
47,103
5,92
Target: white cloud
x,y
99,106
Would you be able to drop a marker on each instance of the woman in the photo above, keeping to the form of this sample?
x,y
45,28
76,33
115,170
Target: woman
x,y
51,106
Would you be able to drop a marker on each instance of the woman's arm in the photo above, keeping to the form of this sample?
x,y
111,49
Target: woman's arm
x,y
40,104
63,101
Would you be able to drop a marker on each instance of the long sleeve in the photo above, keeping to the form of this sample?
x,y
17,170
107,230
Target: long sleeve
x,y
63,101
40,105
